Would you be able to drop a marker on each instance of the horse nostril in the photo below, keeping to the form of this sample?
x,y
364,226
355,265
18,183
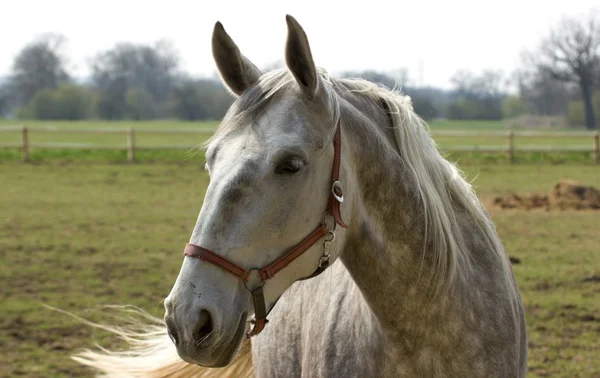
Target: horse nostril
x,y
172,331
204,326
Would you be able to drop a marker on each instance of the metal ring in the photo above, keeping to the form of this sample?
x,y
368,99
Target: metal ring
x,y
324,220
339,197
332,234
262,282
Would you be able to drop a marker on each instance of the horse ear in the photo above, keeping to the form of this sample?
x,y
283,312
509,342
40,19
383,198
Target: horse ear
x,y
299,58
237,72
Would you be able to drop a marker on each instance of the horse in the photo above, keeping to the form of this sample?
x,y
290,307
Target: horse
x,y
334,240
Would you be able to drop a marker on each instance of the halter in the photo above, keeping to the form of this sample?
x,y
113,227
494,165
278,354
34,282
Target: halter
x,y
267,272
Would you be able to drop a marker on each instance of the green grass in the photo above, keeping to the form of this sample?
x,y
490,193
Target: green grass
x,y
500,141
106,139
79,236
477,125
519,141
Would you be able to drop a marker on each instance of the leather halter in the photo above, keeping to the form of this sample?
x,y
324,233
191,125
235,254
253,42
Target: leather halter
x,y
267,272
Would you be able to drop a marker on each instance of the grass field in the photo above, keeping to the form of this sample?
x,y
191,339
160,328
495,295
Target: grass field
x,y
79,236
95,142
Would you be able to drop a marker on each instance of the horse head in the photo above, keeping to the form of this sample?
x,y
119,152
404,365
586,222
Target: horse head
x,y
272,208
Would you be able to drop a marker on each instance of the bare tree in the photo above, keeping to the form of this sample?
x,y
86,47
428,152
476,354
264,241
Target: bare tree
x,y
477,96
543,94
571,53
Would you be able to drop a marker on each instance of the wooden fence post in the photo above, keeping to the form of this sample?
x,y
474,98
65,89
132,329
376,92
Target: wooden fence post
x,y
597,147
131,145
25,143
511,146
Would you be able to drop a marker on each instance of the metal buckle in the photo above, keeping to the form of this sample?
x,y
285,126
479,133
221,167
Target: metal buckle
x,y
336,190
262,282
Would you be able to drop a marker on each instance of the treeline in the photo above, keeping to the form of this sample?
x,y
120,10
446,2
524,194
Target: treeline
x,y
128,81
139,82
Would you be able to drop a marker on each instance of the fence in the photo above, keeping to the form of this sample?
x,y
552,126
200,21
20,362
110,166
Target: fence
x,y
130,133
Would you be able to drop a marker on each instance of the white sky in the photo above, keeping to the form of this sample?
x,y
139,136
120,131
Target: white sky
x,y
446,35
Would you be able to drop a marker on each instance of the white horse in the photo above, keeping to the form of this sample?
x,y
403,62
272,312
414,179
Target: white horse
x,y
337,180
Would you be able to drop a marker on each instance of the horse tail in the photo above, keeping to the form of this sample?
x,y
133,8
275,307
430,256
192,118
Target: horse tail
x,y
151,353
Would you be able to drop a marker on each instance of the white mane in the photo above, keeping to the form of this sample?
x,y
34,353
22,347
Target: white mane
x,y
441,185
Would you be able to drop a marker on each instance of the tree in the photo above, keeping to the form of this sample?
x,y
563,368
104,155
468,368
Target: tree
x,y
139,104
477,97
67,102
41,106
39,65
490,84
462,109
199,99
5,100
135,74
571,53
576,110
422,104
513,106
462,81
542,94
185,101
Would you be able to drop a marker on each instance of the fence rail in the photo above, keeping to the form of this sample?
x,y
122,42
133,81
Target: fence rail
x,y
130,133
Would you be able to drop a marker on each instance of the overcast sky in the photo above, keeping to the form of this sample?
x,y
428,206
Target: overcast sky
x,y
344,35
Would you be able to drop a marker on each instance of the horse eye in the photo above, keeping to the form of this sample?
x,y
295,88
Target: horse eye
x,y
290,165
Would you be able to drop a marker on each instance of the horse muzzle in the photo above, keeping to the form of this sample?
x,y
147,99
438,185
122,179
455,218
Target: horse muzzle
x,y
200,337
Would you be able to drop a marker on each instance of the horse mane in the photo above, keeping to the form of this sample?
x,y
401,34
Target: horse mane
x,y
441,186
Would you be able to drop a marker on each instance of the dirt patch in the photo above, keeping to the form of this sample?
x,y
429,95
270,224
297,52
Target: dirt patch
x,y
514,260
592,278
565,195
571,194
526,201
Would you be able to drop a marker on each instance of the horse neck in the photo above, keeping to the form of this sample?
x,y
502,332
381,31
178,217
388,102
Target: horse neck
x,y
474,325
384,250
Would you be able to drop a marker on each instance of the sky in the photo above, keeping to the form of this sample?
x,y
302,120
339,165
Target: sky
x,y
431,39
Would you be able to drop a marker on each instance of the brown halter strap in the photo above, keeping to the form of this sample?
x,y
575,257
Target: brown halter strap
x,y
267,272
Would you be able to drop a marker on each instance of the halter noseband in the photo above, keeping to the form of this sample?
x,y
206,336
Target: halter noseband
x,y
267,272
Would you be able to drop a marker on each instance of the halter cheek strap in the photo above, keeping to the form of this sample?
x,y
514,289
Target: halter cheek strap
x,y
267,272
